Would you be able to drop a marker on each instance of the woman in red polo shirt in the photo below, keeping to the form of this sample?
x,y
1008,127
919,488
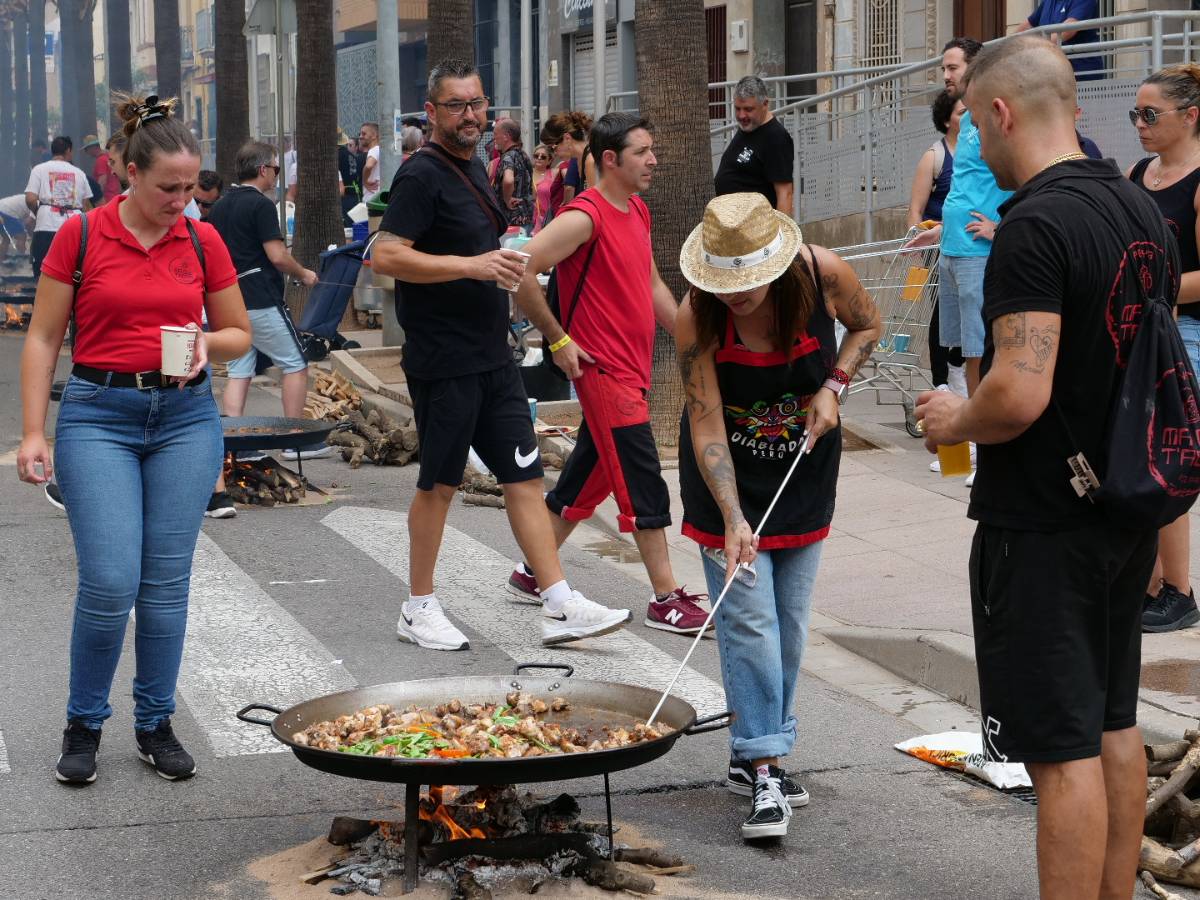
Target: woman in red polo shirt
x,y
136,451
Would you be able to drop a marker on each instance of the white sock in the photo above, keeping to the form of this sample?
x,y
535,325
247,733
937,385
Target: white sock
x,y
556,595
415,600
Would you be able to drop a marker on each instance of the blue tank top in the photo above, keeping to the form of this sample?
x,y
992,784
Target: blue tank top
x,y
941,187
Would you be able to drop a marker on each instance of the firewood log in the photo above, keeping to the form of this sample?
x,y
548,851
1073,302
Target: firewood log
x,y
609,876
1165,864
1179,779
646,856
353,455
1153,887
1172,750
483,500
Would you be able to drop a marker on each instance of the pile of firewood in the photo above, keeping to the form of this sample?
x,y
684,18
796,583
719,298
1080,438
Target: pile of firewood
x,y
332,396
376,437
263,485
1171,841
479,489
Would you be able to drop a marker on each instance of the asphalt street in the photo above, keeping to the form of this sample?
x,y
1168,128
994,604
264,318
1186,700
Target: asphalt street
x,y
291,603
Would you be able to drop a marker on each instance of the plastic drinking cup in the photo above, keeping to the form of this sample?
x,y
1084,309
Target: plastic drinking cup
x,y
954,459
178,347
900,342
525,257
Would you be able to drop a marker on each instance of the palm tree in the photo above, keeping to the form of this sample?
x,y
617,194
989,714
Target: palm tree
x,y
37,74
167,48
78,68
233,85
21,62
673,95
318,208
451,30
7,137
117,53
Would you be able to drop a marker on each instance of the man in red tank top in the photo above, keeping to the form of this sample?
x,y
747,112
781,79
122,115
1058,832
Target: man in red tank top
x,y
603,237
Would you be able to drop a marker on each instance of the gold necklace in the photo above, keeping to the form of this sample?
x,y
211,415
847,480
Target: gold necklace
x,y
1066,157
1159,179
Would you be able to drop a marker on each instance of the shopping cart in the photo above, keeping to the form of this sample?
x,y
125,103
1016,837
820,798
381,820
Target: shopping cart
x,y
903,285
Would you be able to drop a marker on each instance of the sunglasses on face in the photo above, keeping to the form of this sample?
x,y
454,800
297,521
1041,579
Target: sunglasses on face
x,y
275,168
1150,115
540,156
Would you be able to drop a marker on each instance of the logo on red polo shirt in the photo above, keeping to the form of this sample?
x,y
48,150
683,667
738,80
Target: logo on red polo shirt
x,y
183,269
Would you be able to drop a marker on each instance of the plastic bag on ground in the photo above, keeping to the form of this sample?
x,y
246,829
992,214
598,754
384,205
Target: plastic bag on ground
x,y
963,752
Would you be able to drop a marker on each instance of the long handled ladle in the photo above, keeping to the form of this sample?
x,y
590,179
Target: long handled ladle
x,y
804,447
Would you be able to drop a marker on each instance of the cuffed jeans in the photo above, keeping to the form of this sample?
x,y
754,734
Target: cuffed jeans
x,y
761,632
136,469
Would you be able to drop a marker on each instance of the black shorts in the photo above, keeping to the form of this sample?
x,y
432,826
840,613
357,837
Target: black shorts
x,y
487,411
1058,637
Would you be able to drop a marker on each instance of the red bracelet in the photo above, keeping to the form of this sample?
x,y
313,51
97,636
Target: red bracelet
x,y
839,375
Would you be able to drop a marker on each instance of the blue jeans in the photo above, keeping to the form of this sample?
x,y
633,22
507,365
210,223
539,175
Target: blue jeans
x,y
960,303
1189,330
761,632
136,469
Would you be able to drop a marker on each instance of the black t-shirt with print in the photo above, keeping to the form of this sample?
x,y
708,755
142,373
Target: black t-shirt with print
x,y
245,218
755,161
1075,240
456,327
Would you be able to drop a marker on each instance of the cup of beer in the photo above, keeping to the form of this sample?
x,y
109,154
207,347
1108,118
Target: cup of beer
x,y
954,459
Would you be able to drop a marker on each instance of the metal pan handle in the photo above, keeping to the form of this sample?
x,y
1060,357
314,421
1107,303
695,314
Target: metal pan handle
x,y
711,723
255,720
521,667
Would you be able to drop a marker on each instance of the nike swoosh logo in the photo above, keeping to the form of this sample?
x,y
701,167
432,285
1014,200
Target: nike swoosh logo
x,y
407,620
559,618
525,461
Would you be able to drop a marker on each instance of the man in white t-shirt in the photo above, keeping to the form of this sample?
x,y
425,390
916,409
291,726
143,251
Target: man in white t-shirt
x,y
56,191
368,136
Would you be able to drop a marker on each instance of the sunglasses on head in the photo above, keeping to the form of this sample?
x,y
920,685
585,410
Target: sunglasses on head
x,y
1150,115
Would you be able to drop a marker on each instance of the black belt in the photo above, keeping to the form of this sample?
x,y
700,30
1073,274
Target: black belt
x,y
143,381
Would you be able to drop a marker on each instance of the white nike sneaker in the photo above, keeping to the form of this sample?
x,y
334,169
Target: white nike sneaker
x,y
936,466
580,618
427,626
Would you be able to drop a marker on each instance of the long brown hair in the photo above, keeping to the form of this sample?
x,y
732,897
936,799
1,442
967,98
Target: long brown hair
x,y
795,298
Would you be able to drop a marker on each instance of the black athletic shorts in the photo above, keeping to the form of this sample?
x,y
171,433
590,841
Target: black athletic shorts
x,y
1058,637
487,411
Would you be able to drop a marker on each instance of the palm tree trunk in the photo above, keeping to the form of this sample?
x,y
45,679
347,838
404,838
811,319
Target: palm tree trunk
x,y
673,95
78,68
318,207
69,56
37,74
451,30
167,48
20,152
117,53
7,137
233,84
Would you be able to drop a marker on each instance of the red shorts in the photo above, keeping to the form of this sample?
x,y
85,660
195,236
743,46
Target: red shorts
x,y
615,454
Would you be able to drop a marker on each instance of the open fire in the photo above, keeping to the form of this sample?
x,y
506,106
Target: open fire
x,y
263,482
17,315
491,839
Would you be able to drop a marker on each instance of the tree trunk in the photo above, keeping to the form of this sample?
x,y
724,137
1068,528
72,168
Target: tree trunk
x,y
21,98
117,53
318,207
233,86
167,49
78,69
37,74
68,36
451,31
673,95
7,136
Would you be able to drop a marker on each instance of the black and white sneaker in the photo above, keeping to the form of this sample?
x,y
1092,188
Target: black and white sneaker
x,y
77,762
769,812
220,506
161,749
741,782
425,625
54,495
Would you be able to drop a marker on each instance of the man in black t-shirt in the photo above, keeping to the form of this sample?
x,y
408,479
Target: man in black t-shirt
x,y
759,158
1056,587
440,240
248,223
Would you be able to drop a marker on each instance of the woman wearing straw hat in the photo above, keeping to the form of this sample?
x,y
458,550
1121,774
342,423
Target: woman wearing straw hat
x,y
763,376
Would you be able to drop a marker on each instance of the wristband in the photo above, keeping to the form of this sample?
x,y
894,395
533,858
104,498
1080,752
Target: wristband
x,y
836,386
839,375
560,343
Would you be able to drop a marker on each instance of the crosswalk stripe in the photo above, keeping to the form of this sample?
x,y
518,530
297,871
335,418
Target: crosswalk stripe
x,y
243,647
4,769
469,577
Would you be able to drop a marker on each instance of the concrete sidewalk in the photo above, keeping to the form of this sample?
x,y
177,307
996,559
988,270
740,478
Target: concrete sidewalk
x,y
893,583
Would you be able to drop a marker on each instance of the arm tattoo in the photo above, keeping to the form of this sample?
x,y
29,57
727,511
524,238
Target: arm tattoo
x,y
1011,331
722,481
860,308
1042,342
698,406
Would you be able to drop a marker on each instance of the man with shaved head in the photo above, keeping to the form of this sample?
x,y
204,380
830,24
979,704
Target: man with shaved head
x,y
1056,587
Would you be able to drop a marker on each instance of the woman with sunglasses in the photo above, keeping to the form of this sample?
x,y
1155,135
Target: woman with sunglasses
x,y
1167,119
567,135
546,183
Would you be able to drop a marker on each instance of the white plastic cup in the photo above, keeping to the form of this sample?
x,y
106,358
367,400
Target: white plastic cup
x,y
525,257
178,349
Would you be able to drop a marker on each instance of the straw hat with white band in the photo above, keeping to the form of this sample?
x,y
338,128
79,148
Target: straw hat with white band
x,y
741,244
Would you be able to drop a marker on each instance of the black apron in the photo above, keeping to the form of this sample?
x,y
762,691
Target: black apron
x,y
765,398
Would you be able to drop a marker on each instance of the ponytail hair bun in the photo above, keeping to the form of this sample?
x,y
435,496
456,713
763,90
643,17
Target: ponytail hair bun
x,y
150,127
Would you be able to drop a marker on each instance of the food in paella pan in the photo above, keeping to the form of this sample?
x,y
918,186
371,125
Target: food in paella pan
x,y
458,730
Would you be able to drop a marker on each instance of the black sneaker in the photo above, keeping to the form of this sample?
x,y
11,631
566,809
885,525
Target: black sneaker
x,y
77,762
769,812
220,506
741,782
1170,610
161,749
54,495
